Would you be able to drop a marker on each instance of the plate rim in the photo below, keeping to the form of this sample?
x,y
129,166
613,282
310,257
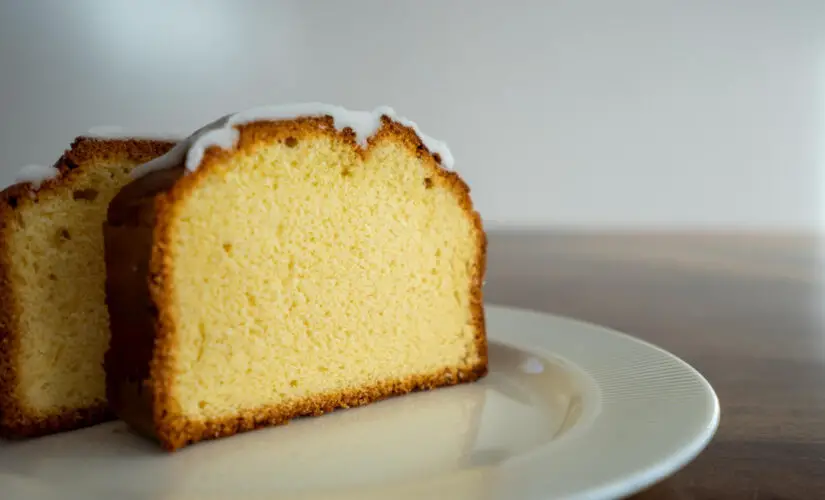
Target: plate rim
x,y
651,474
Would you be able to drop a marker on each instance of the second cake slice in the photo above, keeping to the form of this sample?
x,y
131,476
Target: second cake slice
x,y
54,326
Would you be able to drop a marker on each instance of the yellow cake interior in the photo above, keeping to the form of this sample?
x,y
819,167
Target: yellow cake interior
x,y
301,268
58,277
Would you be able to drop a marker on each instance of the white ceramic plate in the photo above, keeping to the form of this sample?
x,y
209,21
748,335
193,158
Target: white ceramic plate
x,y
569,410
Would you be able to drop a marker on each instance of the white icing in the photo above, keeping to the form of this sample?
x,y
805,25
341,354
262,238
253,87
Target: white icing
x,y
434,145
179,152
118,132
532,366
36,175
223,133
225,138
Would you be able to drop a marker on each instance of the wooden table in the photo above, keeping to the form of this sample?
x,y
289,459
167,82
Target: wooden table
x,y
746,310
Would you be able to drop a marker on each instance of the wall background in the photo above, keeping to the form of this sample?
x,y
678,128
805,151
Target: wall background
x,y
578,112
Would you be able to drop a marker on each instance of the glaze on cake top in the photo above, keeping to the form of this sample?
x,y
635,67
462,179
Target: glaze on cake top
x,y
35,175
224,134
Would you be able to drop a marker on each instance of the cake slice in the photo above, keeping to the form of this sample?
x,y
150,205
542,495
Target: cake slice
x,y
288,261
53,319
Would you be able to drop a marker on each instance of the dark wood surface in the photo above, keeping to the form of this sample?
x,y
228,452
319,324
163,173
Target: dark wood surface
x,y
746,310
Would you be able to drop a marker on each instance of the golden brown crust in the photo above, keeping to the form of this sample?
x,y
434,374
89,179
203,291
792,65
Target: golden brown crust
x,y
144,376
16,420
175,432
84,149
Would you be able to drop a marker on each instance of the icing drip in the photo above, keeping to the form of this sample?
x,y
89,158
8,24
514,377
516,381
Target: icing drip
x,y
178,153
434,145
222,132
36,175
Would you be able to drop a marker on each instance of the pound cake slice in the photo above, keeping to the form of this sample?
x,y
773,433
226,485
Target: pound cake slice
x,y
53,320
288,261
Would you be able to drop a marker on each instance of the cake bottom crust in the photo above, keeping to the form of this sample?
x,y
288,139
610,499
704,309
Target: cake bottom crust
x,y
175,432
23,423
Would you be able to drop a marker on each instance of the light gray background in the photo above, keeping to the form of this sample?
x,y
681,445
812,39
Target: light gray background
x,y
577,112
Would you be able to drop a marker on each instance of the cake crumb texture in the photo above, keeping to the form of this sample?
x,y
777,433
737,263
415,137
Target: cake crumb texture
x,y
53,319
293,275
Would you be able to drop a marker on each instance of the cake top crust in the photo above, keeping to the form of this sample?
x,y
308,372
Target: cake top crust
x,y
33,178
224,134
